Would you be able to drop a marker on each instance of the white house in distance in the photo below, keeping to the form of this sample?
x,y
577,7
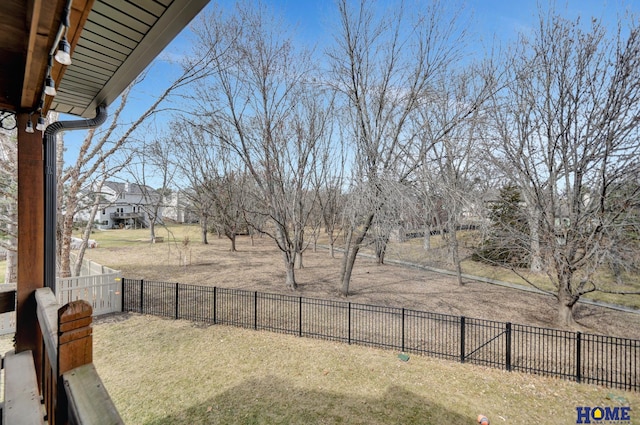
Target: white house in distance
x,y
177,208
126,205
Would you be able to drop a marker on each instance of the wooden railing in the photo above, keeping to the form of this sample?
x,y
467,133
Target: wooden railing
x,y
67,389
21,395
70,382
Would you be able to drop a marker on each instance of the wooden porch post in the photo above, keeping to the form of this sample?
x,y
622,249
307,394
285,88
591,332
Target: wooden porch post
x,y
30,238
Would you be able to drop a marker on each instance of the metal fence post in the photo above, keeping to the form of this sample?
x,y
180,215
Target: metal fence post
x,y
215,303
255,310
177,305
462,336
299,316
508,346
402,330
141,296
349,324
578,357
123,283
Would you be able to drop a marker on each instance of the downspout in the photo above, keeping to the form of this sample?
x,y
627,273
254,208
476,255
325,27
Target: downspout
x,y
50,186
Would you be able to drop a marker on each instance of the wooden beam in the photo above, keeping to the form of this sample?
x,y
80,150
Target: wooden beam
x,y
44,23
32,62
30,238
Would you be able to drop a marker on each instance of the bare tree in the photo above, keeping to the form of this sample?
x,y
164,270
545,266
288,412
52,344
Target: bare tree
x,y
9,201
383,63
262,103
92,155
329,180
566,131
153,168
96,193
331,202
195,161
97,148
451,118
213,179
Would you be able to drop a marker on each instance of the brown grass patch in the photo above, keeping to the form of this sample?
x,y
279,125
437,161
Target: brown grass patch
x,y
258,266
175,372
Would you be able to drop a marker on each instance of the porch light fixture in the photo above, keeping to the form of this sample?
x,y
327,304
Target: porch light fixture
x,y
29,128
41,124
49,86
63,55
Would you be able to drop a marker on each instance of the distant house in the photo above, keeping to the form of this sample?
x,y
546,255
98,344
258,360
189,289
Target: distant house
x,y
126,205
179,209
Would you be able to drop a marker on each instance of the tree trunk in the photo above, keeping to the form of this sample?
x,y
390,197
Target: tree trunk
x,y
203,229
381,248
77,267
565,315
152,230
426,242
233,242
65,261
351,249
299,249
288,257
454,246
65,246
332,241
349,260
290,280
534,243
566,302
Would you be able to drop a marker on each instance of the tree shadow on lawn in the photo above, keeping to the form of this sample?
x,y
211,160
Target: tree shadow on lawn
x,y
271,400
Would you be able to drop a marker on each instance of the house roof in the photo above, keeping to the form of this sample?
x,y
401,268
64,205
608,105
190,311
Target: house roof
x,y
129,188
112,41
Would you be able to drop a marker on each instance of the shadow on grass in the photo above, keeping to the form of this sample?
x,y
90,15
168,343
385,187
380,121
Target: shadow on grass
x,y
271,400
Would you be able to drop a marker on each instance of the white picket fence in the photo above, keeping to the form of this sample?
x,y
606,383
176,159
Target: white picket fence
x,y
103,291
90,268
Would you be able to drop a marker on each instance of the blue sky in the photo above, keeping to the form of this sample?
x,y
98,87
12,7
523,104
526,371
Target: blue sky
x,y
490,20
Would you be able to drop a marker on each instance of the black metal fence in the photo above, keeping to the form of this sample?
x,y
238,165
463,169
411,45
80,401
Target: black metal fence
x,y
595,359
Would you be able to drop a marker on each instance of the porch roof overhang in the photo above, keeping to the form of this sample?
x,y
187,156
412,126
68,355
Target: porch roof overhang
x,y
112,42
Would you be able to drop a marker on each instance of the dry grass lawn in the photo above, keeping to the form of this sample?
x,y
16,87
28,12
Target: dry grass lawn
x,y
258,266
161,371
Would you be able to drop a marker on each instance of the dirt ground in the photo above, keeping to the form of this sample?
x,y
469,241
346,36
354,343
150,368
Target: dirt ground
x,y
259,267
